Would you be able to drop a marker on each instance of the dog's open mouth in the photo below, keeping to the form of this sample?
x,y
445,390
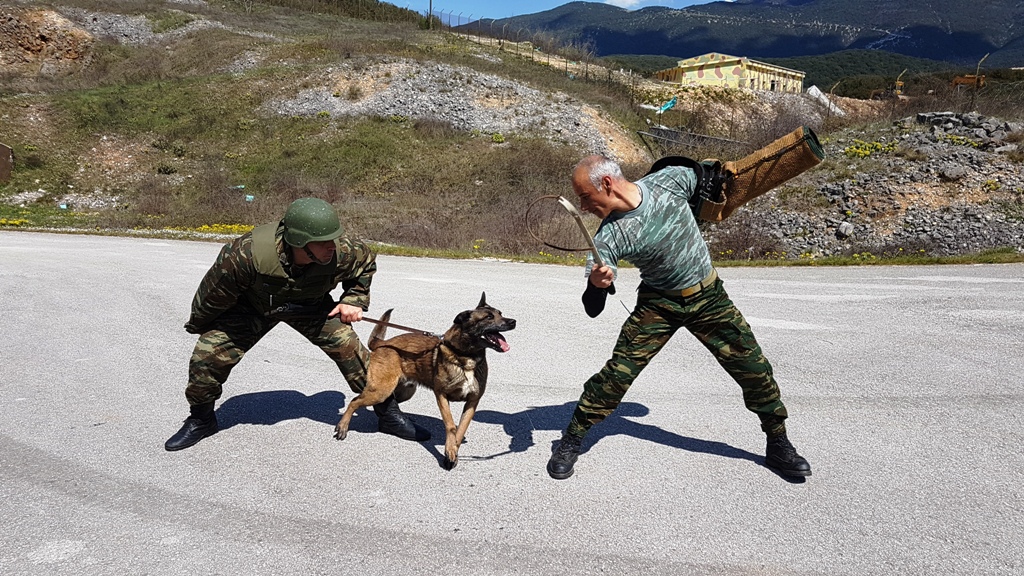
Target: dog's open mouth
x,y
496,341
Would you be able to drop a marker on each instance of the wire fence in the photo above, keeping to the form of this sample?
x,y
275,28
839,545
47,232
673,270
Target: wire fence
x,y
575,58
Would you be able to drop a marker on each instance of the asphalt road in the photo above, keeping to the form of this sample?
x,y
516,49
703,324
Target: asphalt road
x,y
903,385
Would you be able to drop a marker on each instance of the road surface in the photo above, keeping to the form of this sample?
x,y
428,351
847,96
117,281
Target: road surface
x,y
903,386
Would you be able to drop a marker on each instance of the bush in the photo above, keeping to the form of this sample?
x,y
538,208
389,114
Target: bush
x,y
34,161
434,128
744,236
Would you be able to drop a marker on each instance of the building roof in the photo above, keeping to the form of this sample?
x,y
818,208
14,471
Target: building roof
x,y
718,59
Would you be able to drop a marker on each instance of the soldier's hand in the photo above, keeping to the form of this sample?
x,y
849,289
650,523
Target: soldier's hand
x,y
347,313
602,276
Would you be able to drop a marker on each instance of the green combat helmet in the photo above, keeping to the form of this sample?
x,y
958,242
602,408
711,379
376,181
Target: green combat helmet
x,y
310,220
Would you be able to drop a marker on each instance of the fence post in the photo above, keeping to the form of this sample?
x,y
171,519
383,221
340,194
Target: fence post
x,y
6,162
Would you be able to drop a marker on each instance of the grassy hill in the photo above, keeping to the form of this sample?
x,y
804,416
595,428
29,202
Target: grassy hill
x,y
174,118
165,115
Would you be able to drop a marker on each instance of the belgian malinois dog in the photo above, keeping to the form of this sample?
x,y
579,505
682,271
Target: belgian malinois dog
x,y
453,366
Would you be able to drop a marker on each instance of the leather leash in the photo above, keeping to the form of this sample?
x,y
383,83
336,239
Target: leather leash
x,y
399,326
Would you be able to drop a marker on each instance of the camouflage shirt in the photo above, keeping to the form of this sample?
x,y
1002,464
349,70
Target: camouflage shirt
x,y
660,236
234,272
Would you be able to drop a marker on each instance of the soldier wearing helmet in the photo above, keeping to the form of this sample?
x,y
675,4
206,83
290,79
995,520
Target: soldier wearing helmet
x,y
299,261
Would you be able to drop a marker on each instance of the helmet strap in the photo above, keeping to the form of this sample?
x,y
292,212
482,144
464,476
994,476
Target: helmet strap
x,y
312,257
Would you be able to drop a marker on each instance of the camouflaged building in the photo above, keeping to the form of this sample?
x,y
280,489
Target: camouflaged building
x,y
734,72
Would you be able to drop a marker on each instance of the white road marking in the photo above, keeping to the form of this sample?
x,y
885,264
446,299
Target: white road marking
x,y
894,286
967,279
56,551
782,324
824,297
433,280
990,315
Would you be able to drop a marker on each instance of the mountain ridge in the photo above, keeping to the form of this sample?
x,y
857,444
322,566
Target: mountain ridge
x,y
791,28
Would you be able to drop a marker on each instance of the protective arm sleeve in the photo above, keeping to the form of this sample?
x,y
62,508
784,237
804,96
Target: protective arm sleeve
x,y
231,274
594,297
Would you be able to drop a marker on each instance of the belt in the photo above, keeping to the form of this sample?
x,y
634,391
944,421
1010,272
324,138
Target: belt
x,y
707,282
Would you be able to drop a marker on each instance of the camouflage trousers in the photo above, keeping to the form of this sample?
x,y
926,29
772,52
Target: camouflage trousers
x,y
233,334
710,316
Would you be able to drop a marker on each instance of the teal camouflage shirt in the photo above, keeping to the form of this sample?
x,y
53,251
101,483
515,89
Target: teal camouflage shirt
x,y
660,236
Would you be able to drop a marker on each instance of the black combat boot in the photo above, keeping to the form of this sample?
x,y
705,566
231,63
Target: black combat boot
x,y
202,422
390,420
564,456
782,457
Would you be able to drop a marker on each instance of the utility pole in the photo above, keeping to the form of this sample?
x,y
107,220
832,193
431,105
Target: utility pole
x,y
430,15
977,80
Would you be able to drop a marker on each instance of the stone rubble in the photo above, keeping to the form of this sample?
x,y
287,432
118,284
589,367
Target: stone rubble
x,y
941,194
469,100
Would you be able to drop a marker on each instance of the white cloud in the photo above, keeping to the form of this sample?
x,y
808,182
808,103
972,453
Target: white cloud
x,y
631,4
627,4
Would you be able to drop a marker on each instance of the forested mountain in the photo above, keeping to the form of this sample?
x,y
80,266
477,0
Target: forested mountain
x,y
956,31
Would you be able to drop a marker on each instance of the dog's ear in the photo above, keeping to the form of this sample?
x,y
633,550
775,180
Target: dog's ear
x,y
462,317
483,300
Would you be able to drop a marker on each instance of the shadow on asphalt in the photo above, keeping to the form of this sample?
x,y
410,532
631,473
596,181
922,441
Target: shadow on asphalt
x,y
521,425
268,408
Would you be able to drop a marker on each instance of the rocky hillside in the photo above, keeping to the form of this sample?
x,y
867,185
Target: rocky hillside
x,y
940,182
944,183
41,43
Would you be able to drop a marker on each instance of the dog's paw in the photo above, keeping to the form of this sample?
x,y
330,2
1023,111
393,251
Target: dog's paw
x,y
450,463
340,434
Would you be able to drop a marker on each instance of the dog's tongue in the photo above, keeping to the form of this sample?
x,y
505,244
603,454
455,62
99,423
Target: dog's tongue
x,y
499,340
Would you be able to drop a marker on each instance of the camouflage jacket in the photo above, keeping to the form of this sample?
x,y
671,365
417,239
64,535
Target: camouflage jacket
x,y
234,274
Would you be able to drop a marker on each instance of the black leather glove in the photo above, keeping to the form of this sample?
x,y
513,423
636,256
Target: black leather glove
x,y
594,298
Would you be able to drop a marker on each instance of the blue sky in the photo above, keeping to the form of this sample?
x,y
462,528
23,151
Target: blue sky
x,y
507,8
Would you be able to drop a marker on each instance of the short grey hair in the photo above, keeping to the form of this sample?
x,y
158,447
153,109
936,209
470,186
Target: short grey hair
x,y
598,166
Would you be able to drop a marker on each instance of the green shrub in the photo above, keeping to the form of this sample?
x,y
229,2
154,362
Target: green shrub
x,y
958,140
862,149
434,128
169,20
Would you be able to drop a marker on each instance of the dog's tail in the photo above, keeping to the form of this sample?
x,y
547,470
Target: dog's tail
x,y
377,334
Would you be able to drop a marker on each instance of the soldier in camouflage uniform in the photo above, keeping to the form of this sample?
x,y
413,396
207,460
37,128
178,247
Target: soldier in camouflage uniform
x,y
649,223
296,261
